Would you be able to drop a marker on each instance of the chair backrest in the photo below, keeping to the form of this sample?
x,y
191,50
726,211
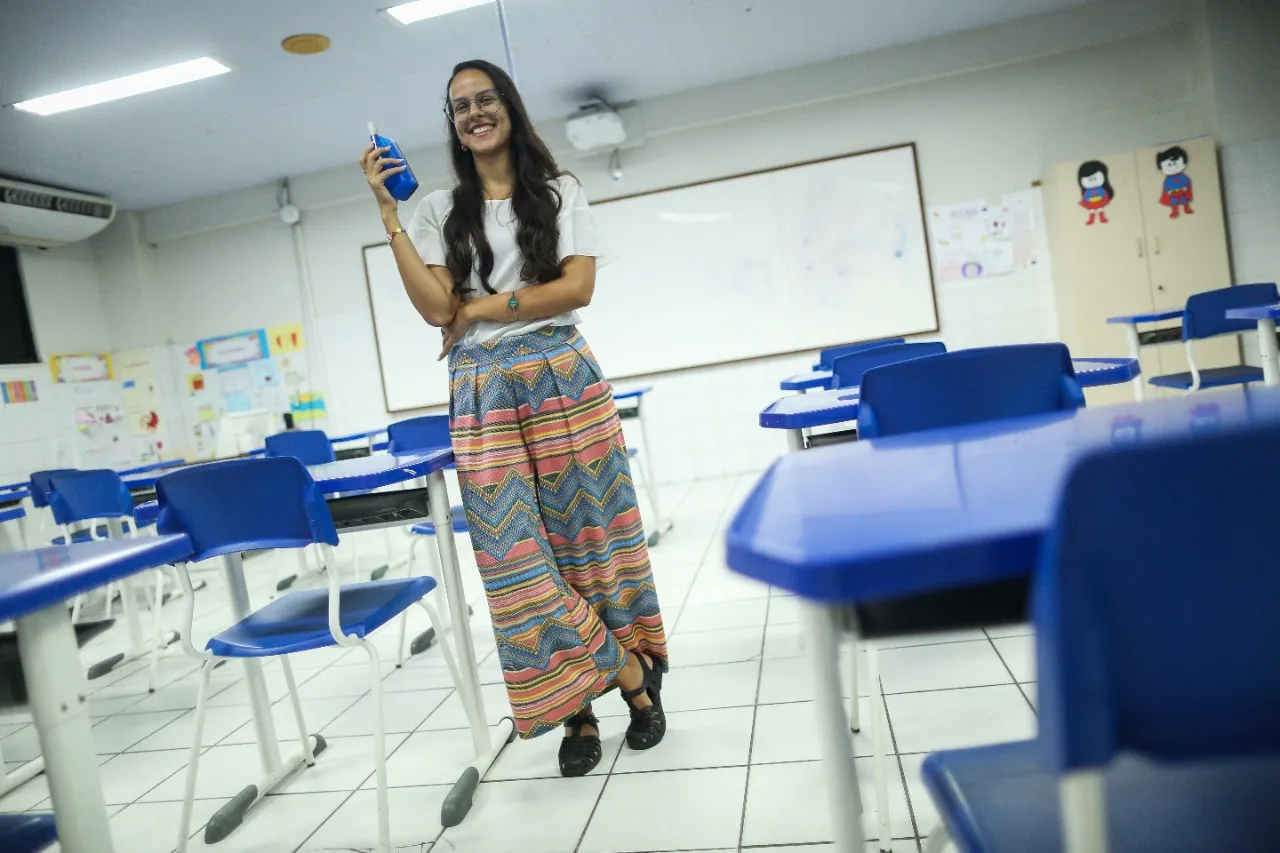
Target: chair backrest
x,y
40,487
967,386
827,356
1158,609
1206,313
847,369
243,505
415,434
85,495
312,446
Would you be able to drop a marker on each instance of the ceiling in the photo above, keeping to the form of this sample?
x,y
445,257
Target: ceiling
x,y
278,114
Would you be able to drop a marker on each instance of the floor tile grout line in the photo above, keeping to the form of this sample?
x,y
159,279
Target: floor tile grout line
x,y
751,742
1016,683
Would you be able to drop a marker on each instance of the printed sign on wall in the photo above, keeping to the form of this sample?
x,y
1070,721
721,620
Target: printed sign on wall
x,y
81,367
232,349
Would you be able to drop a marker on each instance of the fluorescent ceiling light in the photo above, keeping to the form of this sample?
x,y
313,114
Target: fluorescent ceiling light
x,y
420,10
123,87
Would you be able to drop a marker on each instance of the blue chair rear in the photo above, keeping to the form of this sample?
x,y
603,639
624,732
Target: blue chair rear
x,y
967,386
847,369
1206,313
40,487
244,504
416,434
828,356
1158,610
311,446
86,495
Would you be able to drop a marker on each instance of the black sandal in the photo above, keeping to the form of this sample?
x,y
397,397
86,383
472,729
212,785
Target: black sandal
x,y
579,753
648,725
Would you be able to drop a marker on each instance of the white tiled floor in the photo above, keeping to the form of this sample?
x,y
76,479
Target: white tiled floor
x,y
739,770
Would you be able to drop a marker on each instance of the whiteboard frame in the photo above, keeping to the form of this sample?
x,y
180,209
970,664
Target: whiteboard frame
x,y
928,250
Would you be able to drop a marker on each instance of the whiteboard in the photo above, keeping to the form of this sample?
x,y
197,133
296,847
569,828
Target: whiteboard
x,y
782,261
407,345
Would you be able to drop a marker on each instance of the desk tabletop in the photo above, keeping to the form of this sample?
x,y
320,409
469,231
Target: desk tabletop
x,y
12,514
378,470
154,466
32,580
1150,317
823,408
883,518
1255,312
631,393
357,435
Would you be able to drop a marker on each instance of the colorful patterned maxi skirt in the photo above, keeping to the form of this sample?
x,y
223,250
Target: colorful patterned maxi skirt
x,y
553,520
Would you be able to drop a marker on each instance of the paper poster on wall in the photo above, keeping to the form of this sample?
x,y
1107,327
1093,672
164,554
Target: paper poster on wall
x,y
233,349
192,354
308,406
1096,191
195,382
1176,190
974,239
265,373
285,339
81,367
101,414
18,391
238,401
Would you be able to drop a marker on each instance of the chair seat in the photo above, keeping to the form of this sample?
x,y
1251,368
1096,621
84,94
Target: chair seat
x,y
299,621
1214,377
428,528
26,833
1000,799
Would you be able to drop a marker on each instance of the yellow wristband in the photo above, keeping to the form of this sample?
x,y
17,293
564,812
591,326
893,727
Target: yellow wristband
x,y
391,235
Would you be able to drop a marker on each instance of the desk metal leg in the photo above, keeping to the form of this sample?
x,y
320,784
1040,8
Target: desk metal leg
x,y
1135,351
822,649
138,646
661,524
275,769
795,440
458,802
1270,356
57,689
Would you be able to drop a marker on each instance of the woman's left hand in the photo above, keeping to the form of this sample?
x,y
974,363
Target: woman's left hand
x,y
454,331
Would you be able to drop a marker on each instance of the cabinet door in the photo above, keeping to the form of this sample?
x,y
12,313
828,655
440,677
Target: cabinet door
x,y
1099,269
1186,236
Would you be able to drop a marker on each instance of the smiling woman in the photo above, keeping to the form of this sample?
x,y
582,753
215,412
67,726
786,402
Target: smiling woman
x,y
501,263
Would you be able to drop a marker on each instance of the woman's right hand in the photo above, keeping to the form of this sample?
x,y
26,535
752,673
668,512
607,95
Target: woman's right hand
x,y
377,168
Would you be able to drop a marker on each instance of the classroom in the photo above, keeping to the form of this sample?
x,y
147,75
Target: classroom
x,y
722,426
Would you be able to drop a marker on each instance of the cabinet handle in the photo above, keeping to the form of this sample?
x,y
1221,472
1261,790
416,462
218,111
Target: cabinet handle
x,y
1140,253
1157,245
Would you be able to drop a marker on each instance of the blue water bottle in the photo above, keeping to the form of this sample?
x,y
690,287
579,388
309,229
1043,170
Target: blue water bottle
x,y
402,184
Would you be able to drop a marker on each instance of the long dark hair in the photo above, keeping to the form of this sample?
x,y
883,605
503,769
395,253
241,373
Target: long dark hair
x,y
535,199
1093,167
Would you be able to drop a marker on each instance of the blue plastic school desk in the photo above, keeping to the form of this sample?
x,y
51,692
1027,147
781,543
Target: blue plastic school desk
x,y
34,589
1266,315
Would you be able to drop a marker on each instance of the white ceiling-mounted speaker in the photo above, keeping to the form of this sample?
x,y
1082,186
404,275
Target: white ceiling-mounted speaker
x,y
45,217
596,126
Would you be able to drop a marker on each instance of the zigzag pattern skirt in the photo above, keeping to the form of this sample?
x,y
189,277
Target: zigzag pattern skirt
x,y
553,520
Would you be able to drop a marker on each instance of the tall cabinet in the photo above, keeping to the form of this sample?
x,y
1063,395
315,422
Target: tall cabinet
x,y
1127,237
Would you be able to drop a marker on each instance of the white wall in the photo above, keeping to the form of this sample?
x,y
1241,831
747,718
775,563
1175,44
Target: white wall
x,y
989,111
64,300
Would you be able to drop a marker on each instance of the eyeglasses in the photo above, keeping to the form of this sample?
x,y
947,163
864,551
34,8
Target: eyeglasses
x,y
489,103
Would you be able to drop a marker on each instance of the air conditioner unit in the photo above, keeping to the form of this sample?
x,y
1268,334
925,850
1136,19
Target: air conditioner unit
x,y
31,215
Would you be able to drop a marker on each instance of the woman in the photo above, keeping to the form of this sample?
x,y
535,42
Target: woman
x,y
501,264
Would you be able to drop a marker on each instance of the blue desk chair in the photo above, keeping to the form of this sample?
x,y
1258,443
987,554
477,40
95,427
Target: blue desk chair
x,y
1158,627
311,447
408,436
847,370
277,505
968,386
27,833
828,356
90,497
962,387
1205,317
